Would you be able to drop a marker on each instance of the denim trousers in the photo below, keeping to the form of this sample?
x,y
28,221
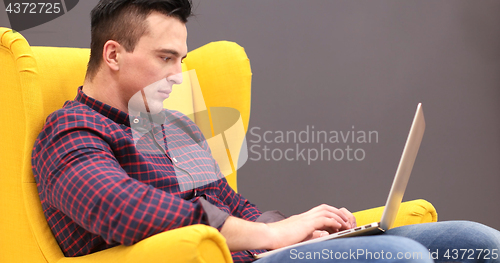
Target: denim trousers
x,y
448,241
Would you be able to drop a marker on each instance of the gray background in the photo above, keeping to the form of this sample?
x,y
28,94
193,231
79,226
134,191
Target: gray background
x,y
338,64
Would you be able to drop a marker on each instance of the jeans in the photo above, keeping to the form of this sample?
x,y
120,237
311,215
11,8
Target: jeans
x,y
450,241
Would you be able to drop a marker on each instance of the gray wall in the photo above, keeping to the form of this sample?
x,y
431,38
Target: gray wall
x,y
338,64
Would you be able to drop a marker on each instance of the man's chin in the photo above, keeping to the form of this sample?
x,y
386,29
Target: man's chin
x,y
153,106
156,107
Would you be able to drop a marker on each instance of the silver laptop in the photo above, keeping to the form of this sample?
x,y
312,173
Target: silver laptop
x,y
395,195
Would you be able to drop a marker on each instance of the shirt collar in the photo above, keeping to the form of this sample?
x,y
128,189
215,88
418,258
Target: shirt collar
x,y
143,121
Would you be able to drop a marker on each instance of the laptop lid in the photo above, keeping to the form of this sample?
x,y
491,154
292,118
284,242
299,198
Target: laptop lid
x,y
404,170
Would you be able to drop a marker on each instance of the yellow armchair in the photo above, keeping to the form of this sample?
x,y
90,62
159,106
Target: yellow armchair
x,y
37,80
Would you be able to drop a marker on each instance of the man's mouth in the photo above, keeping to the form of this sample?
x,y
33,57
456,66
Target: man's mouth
x,y
164,93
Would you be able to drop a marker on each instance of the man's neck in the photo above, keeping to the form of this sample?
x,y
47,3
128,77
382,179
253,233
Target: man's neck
x,y
104,91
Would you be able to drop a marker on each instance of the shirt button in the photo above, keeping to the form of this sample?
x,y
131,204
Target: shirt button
x,y
136,120
195,192
175,160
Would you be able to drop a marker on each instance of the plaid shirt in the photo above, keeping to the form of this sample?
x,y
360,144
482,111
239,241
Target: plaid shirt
x,y
102,183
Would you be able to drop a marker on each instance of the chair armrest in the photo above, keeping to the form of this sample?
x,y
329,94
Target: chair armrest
x,y
411,212
196,243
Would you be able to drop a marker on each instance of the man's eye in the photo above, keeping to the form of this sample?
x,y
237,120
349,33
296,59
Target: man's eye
x,y
166,58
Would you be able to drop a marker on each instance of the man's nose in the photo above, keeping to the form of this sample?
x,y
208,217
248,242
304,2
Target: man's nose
x,y
175,78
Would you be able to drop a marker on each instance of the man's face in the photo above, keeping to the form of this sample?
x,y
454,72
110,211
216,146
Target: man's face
x,y
155,64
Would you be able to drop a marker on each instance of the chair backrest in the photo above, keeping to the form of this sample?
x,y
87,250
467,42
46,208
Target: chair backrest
x,y
35,81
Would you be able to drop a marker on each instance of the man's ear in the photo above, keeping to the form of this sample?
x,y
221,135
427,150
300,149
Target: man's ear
x,y
111,54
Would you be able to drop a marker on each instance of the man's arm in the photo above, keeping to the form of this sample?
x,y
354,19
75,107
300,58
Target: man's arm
x,y
240,206
244,235
81,177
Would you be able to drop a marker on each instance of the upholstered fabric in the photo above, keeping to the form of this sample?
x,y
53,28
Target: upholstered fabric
x,y
411,212
37,80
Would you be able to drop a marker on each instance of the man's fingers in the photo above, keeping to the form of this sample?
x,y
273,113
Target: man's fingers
x,y
330,222
319,233
330,218
352,218
331,209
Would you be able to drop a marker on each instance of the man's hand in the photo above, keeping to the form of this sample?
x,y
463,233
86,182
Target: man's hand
x,y
350,216
319,221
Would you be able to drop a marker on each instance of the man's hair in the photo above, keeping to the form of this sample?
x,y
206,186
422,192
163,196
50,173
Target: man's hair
x,y
124,21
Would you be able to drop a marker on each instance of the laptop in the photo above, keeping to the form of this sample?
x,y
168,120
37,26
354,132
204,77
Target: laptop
x,y
395,195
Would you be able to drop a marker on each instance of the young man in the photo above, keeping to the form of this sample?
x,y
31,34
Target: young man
x,y
103,183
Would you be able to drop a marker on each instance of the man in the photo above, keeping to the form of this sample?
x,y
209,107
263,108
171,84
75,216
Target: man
x,y
103,183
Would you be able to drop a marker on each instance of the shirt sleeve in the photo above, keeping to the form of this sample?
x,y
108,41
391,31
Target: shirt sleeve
x,y
240,206
216,217
83,179
270,217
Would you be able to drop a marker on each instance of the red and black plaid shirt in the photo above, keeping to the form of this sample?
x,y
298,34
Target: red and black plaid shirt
x,y
102,183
